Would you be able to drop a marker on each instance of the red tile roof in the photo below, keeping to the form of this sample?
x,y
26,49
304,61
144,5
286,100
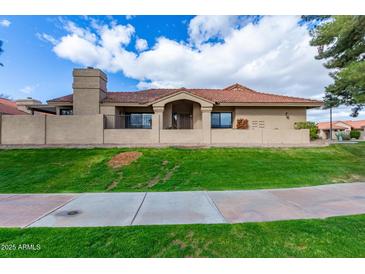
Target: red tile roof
x,y
326,125
359,124
232,94
9,107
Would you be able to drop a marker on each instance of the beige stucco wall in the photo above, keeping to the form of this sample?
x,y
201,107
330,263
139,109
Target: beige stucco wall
x,y
89,129
346,126
22,129
274,118
86,102
260,136
362,134
148,109
228,135
285,136
71,129
111,115
89,88
167,116
182,136
322,134
197,116
130,136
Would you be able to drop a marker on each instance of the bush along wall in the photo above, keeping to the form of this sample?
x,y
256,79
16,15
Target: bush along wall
x,y
355,134
313,129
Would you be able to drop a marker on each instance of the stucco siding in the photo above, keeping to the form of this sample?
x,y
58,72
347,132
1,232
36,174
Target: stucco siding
x,y
182,136
130,136
22,129
271,118
260,136
226,136
83,129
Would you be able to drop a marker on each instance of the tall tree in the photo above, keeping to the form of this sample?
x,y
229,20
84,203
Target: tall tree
x,y
341,43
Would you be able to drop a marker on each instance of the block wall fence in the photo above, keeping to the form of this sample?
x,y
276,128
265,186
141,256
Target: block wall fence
x,y
89,129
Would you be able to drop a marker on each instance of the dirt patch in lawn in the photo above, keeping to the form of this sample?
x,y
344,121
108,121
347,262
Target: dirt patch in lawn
x,y
124,159
170,173
113,185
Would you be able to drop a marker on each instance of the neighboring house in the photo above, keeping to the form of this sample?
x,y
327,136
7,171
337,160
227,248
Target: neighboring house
x,y
9,107
19,107
346,126
172,116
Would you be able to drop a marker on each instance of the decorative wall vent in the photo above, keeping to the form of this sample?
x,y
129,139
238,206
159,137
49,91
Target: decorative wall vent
x,y
258,124
242,123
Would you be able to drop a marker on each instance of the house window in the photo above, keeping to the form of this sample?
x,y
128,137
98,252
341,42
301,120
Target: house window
x,y
138,120
66,111
221,119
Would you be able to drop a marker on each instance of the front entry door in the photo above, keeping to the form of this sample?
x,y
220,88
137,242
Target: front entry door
x,y
182,120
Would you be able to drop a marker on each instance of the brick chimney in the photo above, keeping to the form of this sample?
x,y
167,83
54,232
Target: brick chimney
x,y
89,89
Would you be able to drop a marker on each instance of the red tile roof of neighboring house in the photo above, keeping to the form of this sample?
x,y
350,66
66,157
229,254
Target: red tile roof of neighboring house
x,y
9,107
326,125
232,94
359,124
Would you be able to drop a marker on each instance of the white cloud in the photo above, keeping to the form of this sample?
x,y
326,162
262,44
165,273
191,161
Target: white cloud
x,y
141,44
202,28
5,23
339,113
129,17
273,55
28,89
47,38
103,48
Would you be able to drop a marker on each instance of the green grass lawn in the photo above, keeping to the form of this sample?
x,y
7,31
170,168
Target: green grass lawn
x,y
333,237
173,169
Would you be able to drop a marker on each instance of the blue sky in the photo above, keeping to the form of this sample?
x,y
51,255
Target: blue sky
x,y
31,68
269,53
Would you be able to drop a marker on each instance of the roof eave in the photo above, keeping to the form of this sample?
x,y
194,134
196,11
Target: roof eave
x,y
59,103
273,104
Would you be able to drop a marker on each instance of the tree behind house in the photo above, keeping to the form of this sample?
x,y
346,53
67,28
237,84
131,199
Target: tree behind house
x,y
340,42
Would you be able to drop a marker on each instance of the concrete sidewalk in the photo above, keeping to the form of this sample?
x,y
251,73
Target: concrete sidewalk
x,y
190,207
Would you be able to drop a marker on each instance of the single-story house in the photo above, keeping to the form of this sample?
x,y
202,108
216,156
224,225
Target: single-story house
x,y
9,107
18,107
345,126
234,114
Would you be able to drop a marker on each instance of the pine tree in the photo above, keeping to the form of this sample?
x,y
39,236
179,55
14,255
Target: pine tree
x,y
341,43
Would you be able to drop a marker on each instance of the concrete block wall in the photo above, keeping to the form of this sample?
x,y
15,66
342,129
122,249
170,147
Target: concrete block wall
x,y
260,136
130,136
47,129
22,129
89,129
83,129
183,136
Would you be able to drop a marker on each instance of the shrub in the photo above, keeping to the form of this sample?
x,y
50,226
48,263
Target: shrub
x,y
313,129
342,136
355,134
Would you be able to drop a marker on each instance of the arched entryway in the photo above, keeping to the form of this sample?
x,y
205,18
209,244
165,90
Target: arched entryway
x,y
182,114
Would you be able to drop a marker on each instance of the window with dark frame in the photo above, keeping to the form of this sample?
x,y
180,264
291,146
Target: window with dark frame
x,y
221,120
66,111
138,120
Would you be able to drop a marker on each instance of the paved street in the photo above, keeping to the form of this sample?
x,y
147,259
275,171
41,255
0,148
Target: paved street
x,y
190,207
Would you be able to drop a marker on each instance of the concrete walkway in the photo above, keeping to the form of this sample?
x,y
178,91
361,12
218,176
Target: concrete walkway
x,y
190,207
